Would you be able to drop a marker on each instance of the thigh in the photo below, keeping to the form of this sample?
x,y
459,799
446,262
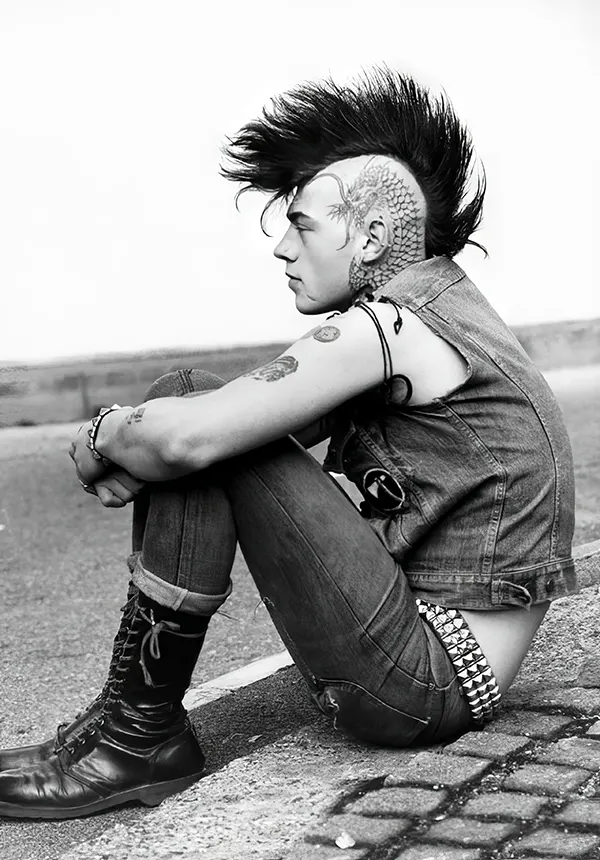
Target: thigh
x,y
341,603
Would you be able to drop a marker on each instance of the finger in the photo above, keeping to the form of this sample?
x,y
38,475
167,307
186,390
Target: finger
x,y
128,481
111,483
108,498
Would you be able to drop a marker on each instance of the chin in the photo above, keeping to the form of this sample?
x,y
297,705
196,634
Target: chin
x,y
308,307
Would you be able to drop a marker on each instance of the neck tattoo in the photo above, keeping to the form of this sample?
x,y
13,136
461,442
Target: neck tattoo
x,y
377,186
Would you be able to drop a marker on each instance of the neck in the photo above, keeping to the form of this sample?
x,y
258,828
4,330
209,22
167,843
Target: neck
x,y
364,278
380,188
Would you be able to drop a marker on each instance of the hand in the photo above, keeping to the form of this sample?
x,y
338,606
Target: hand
x,y
89,470
117,489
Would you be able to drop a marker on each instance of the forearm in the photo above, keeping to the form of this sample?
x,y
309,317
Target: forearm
x,y
142,440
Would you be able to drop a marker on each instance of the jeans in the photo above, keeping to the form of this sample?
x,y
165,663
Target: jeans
x,y
340,603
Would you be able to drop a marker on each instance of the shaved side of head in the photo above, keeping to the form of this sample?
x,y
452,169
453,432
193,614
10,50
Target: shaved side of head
x,y
379,198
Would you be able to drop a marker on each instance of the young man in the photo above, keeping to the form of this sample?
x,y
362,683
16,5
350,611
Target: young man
x,y
409,618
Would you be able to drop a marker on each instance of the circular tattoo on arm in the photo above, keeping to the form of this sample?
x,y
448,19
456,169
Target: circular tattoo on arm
x,y
326,334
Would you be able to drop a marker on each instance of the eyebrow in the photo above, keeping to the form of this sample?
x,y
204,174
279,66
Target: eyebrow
x,y
296,215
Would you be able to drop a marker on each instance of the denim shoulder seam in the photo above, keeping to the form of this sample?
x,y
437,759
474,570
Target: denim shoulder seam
x,y
416,303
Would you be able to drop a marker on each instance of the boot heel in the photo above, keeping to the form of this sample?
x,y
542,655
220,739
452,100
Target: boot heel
x,y
153,795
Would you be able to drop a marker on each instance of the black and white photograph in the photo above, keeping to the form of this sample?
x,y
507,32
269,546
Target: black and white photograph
x,y
299,430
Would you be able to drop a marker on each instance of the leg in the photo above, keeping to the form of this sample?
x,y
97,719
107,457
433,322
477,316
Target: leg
x,y
337,598
134,741
334,593
184,537
340,602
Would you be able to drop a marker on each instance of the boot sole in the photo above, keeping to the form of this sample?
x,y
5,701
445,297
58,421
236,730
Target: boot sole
x,y
149,795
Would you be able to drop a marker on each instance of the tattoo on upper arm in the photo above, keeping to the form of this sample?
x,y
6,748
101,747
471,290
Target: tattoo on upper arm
x,y
310,333
276,369
322,333
327,333
136,415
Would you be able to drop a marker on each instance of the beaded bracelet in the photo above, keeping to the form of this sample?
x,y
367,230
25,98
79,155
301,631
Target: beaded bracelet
x,y
93,433
473,670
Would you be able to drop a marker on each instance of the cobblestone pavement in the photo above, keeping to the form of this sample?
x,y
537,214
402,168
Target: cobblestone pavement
x,y
527,787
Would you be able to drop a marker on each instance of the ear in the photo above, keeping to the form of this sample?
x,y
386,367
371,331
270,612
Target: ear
x,y
376,239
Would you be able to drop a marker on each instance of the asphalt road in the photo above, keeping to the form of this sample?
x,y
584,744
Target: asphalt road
x,y
64,578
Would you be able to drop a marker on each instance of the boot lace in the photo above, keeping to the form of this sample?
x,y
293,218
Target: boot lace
x,y
128,615
131,625
151,637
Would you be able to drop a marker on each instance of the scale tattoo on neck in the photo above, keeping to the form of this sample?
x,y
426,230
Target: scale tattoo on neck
x,y
379,186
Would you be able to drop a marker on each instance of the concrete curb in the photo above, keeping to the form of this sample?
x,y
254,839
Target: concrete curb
x,y
587,563
215,689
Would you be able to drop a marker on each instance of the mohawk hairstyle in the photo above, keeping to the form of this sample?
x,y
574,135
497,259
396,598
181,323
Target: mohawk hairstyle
x,y
380,113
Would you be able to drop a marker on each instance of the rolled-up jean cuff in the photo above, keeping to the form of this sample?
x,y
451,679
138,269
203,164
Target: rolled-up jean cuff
x,y
173,596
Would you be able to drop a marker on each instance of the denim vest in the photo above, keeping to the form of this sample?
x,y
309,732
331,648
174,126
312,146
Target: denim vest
x,y
472,494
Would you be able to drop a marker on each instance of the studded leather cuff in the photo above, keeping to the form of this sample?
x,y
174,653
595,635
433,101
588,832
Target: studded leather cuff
x,y
93,433
472,668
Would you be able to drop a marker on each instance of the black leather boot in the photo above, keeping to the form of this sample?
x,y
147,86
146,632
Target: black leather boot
x,y
37,753
137,743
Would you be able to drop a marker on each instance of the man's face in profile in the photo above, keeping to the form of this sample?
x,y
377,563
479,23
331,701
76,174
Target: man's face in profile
x,y
316,249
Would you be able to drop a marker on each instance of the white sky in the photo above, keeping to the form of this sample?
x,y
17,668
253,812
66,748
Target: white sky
x,y
116,232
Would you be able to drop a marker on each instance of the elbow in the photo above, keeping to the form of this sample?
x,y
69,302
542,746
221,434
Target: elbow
x,y
184,456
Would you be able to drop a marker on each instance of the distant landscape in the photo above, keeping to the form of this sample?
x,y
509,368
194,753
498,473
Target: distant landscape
x,y
73,389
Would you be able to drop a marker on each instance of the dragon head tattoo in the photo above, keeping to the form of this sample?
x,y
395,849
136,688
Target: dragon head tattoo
x,y
378,186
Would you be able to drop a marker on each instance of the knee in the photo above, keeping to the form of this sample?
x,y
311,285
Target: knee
x,y
179,383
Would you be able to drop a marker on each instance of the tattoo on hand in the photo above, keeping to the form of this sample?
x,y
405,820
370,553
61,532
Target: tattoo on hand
x,y
276,369
136,416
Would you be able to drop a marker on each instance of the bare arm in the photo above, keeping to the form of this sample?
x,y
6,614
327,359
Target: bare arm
x,y
170,437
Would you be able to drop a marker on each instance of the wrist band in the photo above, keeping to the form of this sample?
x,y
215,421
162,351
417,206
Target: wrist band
x,y
93,433
473,670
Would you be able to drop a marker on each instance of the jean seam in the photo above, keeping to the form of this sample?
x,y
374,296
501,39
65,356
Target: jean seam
x,y
352,686
182,537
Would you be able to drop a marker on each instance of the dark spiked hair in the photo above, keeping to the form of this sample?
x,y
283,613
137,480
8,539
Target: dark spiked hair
x,y
380,113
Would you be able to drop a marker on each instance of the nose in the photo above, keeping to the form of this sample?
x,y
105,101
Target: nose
x,y
284,249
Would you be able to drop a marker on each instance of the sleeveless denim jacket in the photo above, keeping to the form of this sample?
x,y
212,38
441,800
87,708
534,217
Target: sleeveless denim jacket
x,y
472,494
